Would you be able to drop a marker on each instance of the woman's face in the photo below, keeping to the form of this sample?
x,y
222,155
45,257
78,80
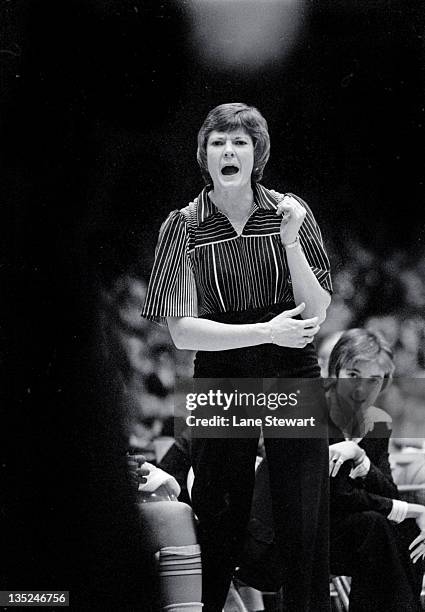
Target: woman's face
x,y
230,158
358,386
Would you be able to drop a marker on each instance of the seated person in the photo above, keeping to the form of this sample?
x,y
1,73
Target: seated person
x,y
169,533
375,538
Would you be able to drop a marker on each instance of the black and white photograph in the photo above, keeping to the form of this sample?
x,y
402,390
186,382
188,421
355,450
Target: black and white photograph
x,y
213,280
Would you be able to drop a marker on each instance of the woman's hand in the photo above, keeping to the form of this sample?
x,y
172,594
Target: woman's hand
x,y
293,215
290,332
419,515
341,452
137,472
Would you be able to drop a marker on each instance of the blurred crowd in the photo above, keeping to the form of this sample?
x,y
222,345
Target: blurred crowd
x,y
148,364
382,294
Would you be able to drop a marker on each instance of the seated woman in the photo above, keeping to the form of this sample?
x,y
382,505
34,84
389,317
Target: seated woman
x,y
371,530
169,533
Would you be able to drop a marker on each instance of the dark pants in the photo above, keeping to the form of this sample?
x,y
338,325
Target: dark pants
x,y
222,495
224,481
374,552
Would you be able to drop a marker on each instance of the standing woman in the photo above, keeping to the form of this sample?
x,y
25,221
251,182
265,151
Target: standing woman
x,y
241,276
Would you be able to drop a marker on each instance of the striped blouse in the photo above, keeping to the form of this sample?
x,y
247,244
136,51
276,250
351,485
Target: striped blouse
x,y
203,267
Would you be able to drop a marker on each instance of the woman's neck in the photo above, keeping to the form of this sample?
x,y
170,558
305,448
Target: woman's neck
x,y
235,203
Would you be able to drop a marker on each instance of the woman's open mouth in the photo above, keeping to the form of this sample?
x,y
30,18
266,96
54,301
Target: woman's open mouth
x,y
229,170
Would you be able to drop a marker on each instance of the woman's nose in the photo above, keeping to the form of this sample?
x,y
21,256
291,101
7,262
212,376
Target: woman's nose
x,y
228,150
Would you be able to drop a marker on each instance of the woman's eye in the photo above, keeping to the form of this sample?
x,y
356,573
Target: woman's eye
x,y
240,142
216,143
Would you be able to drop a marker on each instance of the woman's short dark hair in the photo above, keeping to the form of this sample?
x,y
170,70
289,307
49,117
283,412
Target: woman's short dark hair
x,y
231,117
361,344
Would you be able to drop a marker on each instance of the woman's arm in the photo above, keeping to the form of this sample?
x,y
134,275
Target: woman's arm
x,y
377,477
305,286
190,333
347,497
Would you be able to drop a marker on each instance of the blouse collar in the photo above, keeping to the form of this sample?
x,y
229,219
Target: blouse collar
x,y
263,198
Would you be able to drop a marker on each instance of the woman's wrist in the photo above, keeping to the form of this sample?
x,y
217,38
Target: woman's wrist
x,y
414,510
266,332
360,458
292,244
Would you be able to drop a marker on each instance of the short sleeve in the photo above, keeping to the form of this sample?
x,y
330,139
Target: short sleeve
x,y
172,288
314,250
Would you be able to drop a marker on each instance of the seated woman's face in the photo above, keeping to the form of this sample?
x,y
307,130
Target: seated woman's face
x,y
359,385
230,158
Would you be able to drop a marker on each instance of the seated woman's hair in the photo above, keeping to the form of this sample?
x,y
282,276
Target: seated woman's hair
x,y
361,344
229,118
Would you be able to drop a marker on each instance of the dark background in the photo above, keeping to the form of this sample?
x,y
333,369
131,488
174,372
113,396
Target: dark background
x,y
100,107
